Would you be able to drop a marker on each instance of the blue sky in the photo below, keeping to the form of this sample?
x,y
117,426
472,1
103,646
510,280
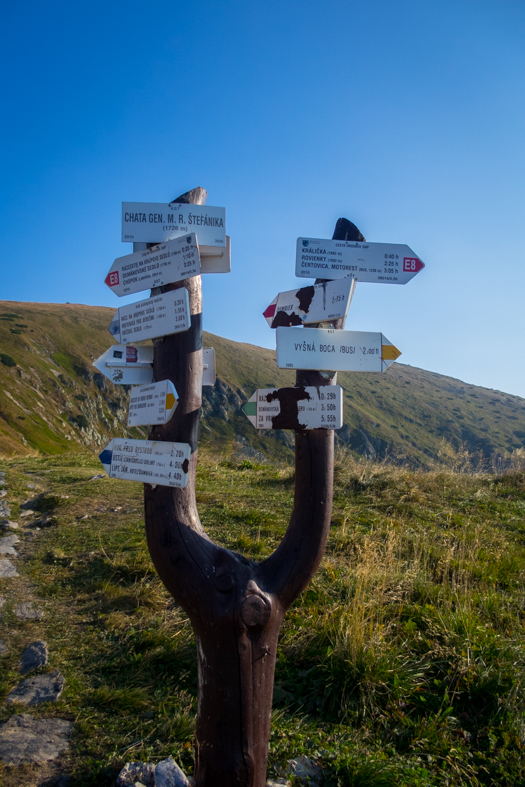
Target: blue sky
x,y
408,118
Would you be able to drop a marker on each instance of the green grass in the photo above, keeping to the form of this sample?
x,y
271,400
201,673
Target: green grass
x,y
401,664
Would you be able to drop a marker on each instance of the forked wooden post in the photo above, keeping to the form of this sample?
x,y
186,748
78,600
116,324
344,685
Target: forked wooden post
x,y
236,606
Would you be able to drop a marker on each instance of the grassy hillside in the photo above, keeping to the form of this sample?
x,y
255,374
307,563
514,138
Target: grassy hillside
x,y
53,400
401,665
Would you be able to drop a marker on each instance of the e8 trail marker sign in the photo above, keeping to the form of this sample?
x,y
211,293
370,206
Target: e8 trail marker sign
x,y
165,263
381,263
307,407
332,350
148,461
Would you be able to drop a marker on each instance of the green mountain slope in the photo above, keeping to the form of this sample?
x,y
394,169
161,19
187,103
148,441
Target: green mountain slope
x,y
54,400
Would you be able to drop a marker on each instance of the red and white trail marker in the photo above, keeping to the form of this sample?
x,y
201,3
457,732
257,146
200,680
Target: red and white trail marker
x,y
381,263
316,303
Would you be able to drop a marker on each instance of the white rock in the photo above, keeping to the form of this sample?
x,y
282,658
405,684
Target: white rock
x,y
27,611
168,774
7,569
305,769
133,772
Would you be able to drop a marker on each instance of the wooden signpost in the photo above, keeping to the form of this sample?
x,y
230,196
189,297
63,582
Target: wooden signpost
x,y
236,606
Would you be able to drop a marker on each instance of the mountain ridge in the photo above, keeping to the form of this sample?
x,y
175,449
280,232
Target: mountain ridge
x,y
54,400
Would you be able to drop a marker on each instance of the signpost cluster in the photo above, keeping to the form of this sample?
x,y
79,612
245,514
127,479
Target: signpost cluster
x,y
173,254
236,606
326,346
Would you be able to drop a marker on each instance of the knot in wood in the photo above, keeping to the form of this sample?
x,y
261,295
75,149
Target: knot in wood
x,y
224,582
255,611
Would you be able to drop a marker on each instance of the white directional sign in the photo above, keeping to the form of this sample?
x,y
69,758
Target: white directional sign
x,y
208,366
330,349
152,404
161,315
127,365
215,259
316,303
383,263
151,222
162,264
149,461
296,408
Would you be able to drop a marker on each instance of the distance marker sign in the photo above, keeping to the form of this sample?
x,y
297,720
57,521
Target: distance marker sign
x,y
332,350
161,315
149,461
296,408
382,263
165,263
154,404
154,222
316,303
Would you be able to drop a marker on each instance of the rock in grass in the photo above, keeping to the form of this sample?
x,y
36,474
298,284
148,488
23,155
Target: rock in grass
x,y
27,611
305,769
5,511
34,656
41,688
26,740
8,525
7,545
133,772
168,774
3,647
7,569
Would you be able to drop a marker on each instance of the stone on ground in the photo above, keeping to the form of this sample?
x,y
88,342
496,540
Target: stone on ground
x,y
133,772
7,545
27,611
41,688
3,647
8,525
305,769
168,774
5,511
24,739
34,656
7,569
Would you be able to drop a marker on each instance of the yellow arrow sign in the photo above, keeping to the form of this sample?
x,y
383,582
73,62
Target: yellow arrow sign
x,y
389,352
170,400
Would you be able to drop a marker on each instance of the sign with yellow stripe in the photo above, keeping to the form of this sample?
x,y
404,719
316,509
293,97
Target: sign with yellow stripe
x,y
152,404
333,350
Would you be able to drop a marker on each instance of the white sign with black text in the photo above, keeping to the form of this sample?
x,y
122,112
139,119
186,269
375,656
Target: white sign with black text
x,y
316,303
152,404
382,263
164,263
161,315
307,407
154,222
148,461
332,350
